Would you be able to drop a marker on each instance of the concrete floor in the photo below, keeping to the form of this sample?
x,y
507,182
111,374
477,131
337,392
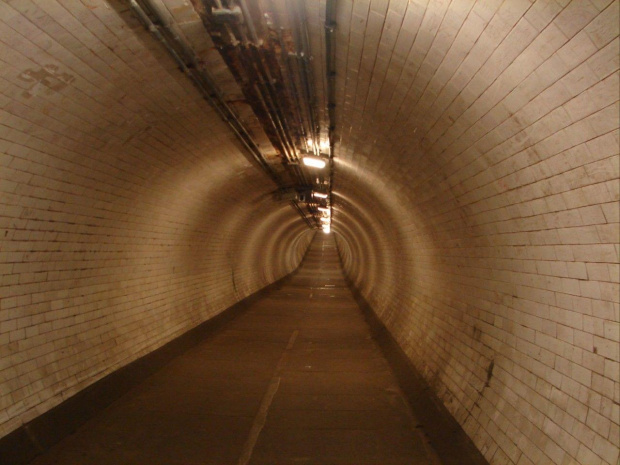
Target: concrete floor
x,y
296,379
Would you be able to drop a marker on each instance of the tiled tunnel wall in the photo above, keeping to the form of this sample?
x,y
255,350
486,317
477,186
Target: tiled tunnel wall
x,y
477,210
128,214
476,189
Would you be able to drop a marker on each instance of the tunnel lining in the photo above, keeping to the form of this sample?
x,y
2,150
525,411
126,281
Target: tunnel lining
x,y
492,128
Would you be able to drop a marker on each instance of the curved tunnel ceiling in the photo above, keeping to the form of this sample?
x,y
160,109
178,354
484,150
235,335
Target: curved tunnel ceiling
x,y
474,196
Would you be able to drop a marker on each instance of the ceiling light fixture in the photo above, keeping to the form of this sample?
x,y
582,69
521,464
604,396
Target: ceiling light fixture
x,y
321,209
326,228
319,195
314,162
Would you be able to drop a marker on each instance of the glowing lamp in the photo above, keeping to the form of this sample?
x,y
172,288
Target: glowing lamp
x,y
314,162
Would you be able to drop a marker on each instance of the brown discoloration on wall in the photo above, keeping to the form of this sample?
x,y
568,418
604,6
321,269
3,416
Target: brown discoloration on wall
x,y
47,79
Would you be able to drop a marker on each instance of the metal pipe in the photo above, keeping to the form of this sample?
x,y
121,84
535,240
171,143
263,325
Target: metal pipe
x,y
309,103
249,22
185,57
303,215
267,81
208,90
263,96
306,74
330,58
265,92
292,88
269,114
271,98
330,68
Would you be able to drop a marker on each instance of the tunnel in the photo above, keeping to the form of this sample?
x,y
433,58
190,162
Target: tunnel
x,y
405,211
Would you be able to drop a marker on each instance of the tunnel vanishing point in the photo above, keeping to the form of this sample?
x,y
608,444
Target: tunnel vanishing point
x,y
267,215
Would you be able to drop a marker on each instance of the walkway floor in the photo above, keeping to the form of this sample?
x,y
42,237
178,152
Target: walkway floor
x,y
295,379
